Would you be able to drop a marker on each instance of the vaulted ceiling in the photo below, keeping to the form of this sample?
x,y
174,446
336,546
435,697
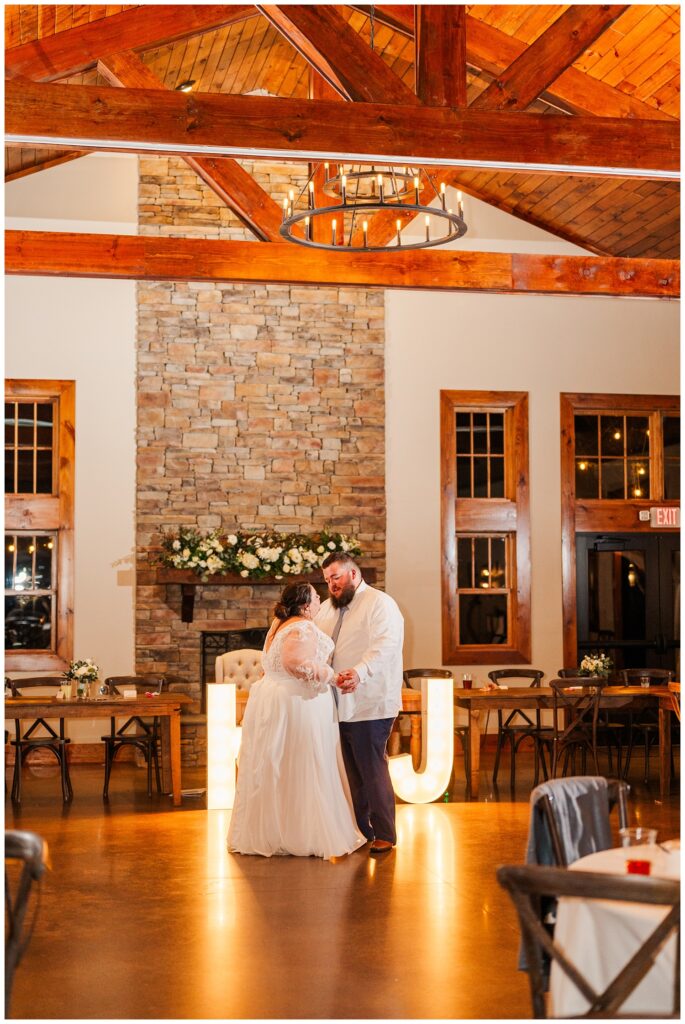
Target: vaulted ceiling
x,y
569,114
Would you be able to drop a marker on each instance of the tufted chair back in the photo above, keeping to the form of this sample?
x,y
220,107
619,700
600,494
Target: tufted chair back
x,y
243,667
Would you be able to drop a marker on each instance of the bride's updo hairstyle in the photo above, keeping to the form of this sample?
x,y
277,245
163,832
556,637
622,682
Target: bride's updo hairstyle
x,y
295,598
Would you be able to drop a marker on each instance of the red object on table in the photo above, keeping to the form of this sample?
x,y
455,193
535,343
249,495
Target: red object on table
x,y
638,867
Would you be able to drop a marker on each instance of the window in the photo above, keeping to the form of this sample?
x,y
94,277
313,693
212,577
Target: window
x,y
620,454
39,502
485,527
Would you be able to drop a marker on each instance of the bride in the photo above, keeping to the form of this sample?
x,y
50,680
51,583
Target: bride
x,y
292,794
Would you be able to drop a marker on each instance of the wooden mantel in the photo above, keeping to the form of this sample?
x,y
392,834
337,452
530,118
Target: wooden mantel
x,y
189,582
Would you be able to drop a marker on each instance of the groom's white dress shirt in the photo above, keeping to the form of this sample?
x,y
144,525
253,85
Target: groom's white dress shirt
x,y
370,641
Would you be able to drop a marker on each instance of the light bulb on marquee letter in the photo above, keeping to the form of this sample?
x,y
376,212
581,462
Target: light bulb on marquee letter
x,y
437,719
223,744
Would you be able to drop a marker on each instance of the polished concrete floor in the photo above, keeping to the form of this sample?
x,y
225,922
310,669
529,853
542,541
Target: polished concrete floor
x,y
146,915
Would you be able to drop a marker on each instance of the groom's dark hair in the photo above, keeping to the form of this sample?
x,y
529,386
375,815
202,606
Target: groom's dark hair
x,y
340,558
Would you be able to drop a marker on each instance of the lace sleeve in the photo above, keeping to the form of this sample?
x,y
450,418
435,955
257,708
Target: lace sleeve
x,y
299,658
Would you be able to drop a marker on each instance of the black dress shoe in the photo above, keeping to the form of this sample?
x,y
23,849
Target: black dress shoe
x,y
380,846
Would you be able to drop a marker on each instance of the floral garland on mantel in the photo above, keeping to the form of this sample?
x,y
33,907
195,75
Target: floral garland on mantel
x,y
252,555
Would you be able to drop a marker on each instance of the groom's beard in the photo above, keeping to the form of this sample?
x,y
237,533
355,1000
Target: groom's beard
x,y
344,597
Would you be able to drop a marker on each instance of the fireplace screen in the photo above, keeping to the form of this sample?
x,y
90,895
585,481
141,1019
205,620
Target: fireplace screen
x,y
214,644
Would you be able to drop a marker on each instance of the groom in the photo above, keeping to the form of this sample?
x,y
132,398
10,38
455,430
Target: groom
x,y
368,629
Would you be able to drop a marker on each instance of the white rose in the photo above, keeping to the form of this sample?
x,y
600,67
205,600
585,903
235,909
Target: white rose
x,y
331,545
176,545
232,539
81,670
249,560
320,549
186,552
295,555
244,572
286,568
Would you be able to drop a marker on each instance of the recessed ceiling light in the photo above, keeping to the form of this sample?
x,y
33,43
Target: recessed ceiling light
x,y
186,86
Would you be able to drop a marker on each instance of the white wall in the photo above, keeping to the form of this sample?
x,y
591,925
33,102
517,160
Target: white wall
x,y
539,344
84,330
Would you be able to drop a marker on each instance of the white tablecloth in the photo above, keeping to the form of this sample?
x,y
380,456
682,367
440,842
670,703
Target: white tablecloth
x,y
600,936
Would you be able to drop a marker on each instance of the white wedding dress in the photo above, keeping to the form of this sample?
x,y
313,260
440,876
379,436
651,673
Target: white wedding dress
x,y
292,794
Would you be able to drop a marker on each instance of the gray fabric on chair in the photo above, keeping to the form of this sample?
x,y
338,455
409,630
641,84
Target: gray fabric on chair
x,y
581,811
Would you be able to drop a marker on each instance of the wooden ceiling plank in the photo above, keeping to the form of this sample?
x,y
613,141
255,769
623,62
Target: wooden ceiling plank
x,y
648,215
183,259
22,172
141,28
650,34
441,54
98,118
548,57
326,41
238,189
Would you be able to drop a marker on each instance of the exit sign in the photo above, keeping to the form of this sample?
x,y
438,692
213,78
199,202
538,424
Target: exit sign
x,y
665,516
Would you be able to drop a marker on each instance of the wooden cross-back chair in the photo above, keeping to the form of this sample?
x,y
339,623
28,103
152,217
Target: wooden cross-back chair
x,y
40,735
518,726
528,885
140,733
576,704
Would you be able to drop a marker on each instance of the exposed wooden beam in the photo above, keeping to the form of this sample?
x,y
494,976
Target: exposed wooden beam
x,y
210,124
189,259
323,37
238,189
78,49
493,51
440,60
545,59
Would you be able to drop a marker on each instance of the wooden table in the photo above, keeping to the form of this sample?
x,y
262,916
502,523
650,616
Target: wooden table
x,y
166,706
477,702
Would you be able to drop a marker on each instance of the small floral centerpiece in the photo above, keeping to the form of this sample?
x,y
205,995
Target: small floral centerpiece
x,y
252,555
86,670
596,664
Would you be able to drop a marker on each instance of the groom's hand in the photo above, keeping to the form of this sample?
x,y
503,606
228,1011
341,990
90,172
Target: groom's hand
x,y
347,681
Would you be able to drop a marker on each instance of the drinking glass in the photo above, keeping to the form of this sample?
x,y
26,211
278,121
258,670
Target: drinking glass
x,y
638,836
644,681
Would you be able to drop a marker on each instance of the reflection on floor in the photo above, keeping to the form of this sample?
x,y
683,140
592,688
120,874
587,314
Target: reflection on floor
x,y
146,915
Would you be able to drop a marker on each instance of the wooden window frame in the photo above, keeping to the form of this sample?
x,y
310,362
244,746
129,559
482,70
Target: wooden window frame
x,y
591,515
50,512
471,516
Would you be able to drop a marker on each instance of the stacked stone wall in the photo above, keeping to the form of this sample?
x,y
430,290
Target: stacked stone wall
x,y
259,407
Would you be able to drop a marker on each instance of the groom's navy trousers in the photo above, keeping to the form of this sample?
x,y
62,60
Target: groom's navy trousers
x,y
366,763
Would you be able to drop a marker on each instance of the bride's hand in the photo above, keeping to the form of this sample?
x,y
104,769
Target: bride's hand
x,y
347,681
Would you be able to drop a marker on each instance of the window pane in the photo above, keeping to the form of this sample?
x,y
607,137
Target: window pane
x,y
482,562
9,422
672,437
480,477
638,478
44,425
25,471
43,471
672,479
587,478
28,623
497,433
26,436
44,549
586,435
480,433
464,564
612,435
9,471
497,477
616,592
482,618
498,575
637,441
9,561
23,579
464,476
612,478
463,432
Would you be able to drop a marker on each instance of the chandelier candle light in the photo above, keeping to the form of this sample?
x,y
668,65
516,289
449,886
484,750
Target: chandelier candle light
x,y
356,192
